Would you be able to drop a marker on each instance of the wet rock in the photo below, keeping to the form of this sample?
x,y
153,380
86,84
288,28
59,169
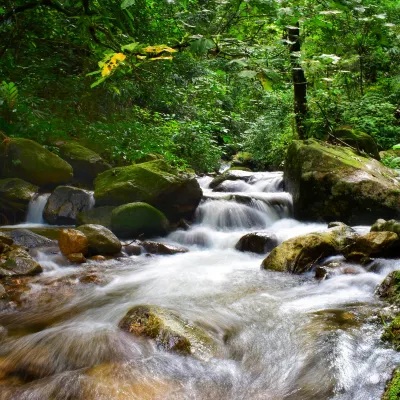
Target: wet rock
x,y
161,248
16,261
100,239
392,333
6,239
98,258
170,332
77,258
97,216
389,289
392,390
257,242
156,183
132,249
86,163
230,175
389,226
336,268
73,241
333,183
35,164
65,203
373,244
15,195
300,254
3,295
134,219
29,239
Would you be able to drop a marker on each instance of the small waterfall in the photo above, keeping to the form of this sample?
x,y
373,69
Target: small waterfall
x,y
35,209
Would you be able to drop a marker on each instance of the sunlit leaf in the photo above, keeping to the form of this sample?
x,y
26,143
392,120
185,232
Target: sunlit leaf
x,y
247,74
159,49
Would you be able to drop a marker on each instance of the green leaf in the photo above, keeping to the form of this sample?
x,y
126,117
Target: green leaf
x,y
131,46
101,80
93,73
247,74
396,146
201,46
127,3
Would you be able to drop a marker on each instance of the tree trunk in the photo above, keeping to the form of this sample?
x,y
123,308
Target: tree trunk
x,y
299,81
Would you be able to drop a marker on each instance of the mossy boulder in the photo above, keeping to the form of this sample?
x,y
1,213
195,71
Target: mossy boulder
x,y
386,226
65,203
301,253
392,333
86,163
97,216
389,289
134,219
361,141
15,195
330,183
156,183
101,240
16,261
231,175
392,391
28,160
168,330
243,159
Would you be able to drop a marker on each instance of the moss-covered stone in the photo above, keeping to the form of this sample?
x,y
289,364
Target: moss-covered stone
x,y
301,253
86,163
358,140
17,262
15,195
389,226
389,289
392,391
169,331
97,216
392,333
333,183
134,219
28,160
230,175
101,240
155,183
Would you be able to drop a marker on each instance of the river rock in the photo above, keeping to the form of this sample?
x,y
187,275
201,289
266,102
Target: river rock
x,y
374,244
73,241
28,160
333,183
135,219
389,289
29,239
6,238
77,258
389,226
392,333
101,240
97,216
17,262
156,183
301,253
161,248
3,295
15,195
358,140
257,242
86,163
230,175
170,332
65,203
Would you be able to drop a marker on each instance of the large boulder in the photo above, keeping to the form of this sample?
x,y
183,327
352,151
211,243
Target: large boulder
x,y
101,240
257,242
386,226
65,203
169,331
333,183
28,160
97,216
72,241
177,195
15,195
374,244
86,163
135,219
161,248
301,253
16,261
29,239
358,140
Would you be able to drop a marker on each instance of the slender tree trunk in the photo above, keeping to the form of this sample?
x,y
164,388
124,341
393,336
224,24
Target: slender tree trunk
x,y
299,81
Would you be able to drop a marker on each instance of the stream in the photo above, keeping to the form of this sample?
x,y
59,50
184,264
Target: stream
x,y
279,336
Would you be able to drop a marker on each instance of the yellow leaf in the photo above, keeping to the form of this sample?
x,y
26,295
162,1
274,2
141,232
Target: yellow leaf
x,y
162,58
141,57
105,71
119,56
158,49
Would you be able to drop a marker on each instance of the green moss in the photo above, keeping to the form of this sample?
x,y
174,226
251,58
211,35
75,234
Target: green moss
x,y
33,163
392,391
97,215
100,239
134,219
392,333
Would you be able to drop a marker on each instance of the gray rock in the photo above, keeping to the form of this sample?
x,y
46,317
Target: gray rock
x,y
30,240
257,242
101,240
18,262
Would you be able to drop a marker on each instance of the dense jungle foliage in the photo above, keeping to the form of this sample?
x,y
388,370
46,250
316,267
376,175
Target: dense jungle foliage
x,y
197,81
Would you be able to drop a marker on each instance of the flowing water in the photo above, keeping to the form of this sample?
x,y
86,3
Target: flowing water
x,y
35,209
279,336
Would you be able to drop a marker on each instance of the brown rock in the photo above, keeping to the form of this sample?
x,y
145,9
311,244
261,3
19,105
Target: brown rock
x,y
78,258
72,241
161,248
98,258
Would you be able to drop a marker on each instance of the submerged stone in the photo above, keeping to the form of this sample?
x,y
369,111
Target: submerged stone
x,y
257,242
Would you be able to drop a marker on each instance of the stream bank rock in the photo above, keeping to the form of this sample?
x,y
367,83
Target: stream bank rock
x,y
170,332
301,253
386,226
334,183
28,160
156,183
15,195
135,219
389,289
86,163
257,242
16,261
29,239
101,241
65,203
97,216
